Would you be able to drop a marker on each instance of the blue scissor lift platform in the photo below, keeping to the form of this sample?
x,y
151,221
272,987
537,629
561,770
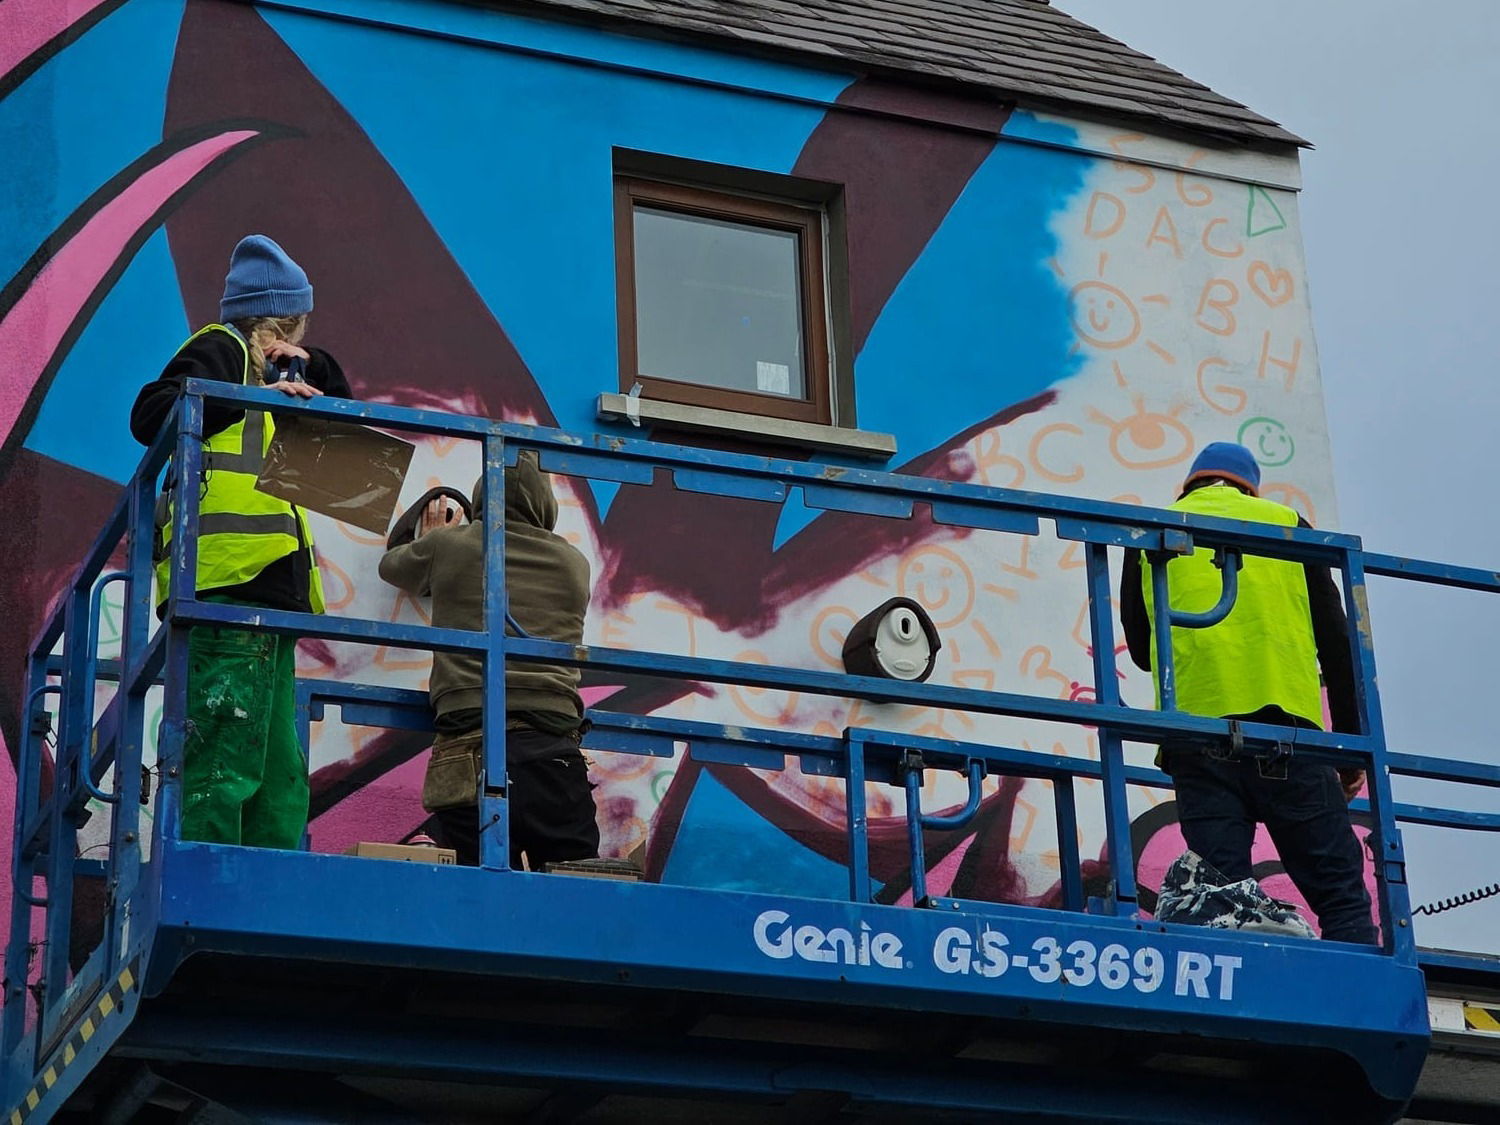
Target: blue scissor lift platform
x,y
292,986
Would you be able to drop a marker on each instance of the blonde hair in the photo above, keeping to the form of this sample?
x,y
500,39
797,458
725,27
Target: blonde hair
x,y
259,331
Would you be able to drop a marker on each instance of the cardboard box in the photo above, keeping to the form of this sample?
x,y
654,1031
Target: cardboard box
x,y
410,853
596,869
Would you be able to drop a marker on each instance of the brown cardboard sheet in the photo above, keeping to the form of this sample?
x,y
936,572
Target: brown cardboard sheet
x,y
349,472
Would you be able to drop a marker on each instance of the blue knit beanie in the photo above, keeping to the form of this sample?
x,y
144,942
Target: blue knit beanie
x,y
1225,459
263,281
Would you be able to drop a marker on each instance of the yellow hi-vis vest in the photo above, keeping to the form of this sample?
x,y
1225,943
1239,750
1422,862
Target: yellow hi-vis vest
x,y
1263,652
241,531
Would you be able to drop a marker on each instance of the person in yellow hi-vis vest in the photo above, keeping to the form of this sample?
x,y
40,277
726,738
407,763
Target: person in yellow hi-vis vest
x,y
1260,664
244,770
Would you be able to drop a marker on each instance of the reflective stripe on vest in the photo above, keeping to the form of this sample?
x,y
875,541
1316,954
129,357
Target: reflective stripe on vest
x,y
241,530
1263,652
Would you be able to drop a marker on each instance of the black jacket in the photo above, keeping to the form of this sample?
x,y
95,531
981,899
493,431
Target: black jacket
x,y
1330,633
217,355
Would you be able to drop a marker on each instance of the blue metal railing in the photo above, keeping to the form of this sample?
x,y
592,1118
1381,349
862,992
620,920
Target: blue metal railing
x,y
88,747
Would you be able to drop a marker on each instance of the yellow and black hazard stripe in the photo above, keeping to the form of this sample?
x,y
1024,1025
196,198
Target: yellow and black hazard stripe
x,y
110,1004
1481,1017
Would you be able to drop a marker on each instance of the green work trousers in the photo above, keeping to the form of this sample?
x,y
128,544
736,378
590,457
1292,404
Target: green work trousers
x,y
244,778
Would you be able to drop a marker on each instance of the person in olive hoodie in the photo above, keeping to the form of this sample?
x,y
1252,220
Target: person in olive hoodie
x,y
433,551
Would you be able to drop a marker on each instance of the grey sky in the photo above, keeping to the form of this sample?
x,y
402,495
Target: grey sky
x,y
1401,222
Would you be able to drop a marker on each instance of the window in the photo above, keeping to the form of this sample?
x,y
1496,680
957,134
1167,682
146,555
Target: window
x,y
722,300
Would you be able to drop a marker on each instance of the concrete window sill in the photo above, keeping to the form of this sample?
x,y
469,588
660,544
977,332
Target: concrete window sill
x,y
780,431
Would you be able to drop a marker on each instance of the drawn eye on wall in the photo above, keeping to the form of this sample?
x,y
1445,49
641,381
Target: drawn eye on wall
x,y
1147,439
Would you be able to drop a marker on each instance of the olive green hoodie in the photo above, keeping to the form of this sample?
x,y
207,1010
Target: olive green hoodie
x,y
547,580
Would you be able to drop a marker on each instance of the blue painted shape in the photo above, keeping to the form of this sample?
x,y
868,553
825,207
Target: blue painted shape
x,y
78,120
519,182
980,314
613,49
1023,125
130,337
761,858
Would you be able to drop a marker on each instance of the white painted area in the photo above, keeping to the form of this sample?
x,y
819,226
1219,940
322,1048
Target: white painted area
x,y
1444,1013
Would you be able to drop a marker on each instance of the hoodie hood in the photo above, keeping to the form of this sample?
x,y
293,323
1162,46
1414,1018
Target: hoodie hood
x,y
529,498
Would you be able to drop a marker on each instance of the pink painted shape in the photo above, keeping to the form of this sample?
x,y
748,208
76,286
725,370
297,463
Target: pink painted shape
x,y
593,695
33,330
1165,846
383,811
7,817
941,875
26,26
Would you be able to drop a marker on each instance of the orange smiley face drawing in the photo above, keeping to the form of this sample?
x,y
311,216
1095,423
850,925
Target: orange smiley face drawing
x,y
1104,316
940,581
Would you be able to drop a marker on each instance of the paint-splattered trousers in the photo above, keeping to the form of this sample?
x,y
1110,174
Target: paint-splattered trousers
x,y
244,778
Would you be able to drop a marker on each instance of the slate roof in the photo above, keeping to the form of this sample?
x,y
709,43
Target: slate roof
x,y
1025,50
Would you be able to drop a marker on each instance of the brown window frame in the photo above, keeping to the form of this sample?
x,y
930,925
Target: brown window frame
x,y
809,222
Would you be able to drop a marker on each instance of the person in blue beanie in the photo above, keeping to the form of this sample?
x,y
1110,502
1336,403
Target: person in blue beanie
x,y
244,769
1259,664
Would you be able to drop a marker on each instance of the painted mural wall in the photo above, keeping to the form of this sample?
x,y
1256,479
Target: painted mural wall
x,y
1035,303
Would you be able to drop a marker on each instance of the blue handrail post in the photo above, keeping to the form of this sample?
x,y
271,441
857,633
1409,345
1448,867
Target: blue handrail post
x,y
1069,865
23,860
77,715
494,820
910,771
1111,746
91,684
135,626
859,825
1161,622
1389,852
1228,560
182,588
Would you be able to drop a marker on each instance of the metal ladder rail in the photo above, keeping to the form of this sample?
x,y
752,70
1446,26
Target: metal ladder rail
x,y
74,770
633,461
892,496
714,480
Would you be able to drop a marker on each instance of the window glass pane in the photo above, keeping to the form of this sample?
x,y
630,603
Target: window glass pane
x,y
718,303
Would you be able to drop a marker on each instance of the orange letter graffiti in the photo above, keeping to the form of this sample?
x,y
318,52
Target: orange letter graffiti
x,y
1195,193
1287,365
1095,230
1215,250
1164,220
1148,177
1234,398
1222,306
987,456
1068,475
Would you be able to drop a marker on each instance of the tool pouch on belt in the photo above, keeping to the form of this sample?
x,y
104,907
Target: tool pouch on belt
x,y
453,771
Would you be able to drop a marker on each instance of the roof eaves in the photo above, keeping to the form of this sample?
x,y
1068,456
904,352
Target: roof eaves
x,y
1222,119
